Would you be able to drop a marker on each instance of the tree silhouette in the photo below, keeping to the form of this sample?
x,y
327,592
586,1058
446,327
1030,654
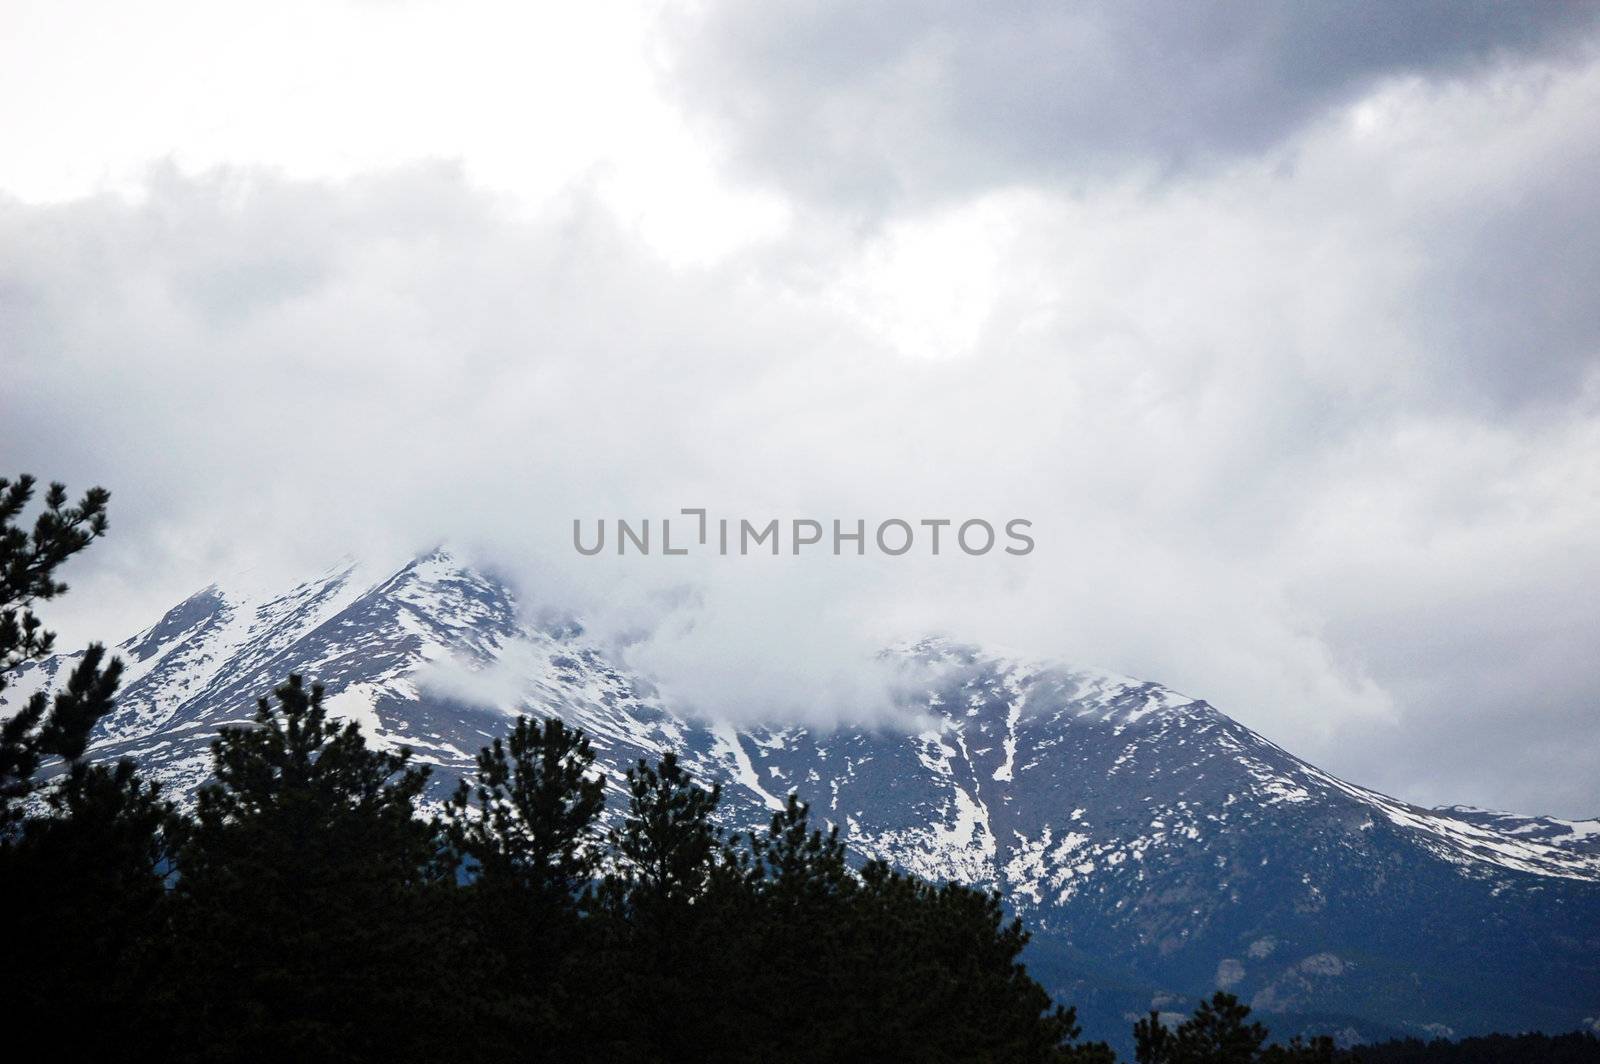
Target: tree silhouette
x,y
299,896
29,561
523,842
1218,1033
529,819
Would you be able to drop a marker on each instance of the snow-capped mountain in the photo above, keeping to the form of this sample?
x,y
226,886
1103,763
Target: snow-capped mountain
x,y
1157,848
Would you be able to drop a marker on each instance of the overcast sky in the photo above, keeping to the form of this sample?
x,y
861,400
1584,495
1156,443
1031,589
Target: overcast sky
x,y
1279,321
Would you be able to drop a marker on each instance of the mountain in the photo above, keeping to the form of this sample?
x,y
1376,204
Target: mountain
x,y
1157,848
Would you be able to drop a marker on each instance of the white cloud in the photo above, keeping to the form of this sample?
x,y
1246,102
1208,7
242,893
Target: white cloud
x,y
1308,434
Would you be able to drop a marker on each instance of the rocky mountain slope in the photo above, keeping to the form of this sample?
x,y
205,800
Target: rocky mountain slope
x,y
1157,848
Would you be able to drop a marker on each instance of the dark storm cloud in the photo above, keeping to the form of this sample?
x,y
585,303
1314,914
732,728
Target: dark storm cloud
x,y
863,102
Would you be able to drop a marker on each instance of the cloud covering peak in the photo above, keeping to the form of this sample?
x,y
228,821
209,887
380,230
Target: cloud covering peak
x,y
1283,338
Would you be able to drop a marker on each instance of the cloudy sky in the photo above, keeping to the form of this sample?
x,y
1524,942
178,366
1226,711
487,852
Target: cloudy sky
x,y
1278,321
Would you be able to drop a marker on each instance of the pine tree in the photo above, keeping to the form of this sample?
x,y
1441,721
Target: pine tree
x,y
301,932
91,878
84,859
43,728
801,867
523,839
1318,1050
660,932
1153,1041
668,843
1217,1033
792,930
938,972
528,819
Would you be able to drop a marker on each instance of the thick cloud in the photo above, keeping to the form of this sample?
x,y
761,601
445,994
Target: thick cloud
x,y
1309,432
863,103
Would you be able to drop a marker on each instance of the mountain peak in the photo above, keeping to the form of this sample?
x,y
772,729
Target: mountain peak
x,y
1133,825
1091,692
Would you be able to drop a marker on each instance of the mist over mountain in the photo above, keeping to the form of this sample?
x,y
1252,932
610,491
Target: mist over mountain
x,y
1157,848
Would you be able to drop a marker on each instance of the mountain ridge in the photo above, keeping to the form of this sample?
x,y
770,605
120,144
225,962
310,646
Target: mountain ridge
x,y
1156,847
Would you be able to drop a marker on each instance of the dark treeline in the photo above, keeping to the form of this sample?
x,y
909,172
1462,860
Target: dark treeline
x,y
307,911
310,908
1573,1048
1220,1032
